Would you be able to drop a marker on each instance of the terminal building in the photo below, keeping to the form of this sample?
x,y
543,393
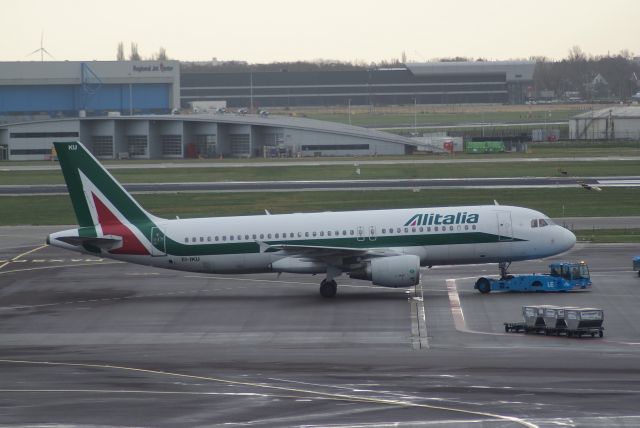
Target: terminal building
x,y
202,136
504,82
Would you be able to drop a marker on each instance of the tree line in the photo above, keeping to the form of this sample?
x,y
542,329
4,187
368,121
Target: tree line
x,y
611,77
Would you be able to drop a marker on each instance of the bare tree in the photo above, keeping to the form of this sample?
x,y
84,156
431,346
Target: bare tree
x,y
120,56
134,56
162,54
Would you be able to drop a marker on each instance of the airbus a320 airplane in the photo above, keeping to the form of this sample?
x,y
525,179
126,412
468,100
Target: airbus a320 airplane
x,y
386,247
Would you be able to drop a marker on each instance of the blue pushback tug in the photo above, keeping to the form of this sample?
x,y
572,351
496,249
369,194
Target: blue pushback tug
x,y
562,276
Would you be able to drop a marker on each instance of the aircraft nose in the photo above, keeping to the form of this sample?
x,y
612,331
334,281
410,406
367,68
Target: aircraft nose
x,y
567,239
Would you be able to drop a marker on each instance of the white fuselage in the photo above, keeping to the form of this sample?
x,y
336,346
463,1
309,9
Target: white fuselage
x,y
438,236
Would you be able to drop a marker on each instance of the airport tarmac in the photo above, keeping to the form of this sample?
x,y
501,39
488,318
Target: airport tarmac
x,y
86,341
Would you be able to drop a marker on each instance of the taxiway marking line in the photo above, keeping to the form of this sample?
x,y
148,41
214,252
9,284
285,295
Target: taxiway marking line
x,y
17,258
456,307
419,336
318,394
57,267
458,314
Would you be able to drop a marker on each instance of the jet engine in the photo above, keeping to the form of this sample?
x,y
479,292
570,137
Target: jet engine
x,y
393,271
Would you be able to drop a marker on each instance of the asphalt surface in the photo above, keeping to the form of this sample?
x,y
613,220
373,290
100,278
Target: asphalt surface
x,y
279,186
89,342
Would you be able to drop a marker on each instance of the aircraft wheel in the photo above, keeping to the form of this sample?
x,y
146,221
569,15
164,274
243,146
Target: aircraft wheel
x,y
483,285
328,289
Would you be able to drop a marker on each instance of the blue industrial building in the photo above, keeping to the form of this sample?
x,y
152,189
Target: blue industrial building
x,y
72,89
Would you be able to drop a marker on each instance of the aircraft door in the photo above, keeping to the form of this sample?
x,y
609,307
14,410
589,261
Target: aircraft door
x,y
372,233
505,228
360,233
158,242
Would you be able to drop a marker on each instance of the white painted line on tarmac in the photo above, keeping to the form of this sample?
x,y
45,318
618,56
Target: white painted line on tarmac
x,y
458,314
297,392
456,307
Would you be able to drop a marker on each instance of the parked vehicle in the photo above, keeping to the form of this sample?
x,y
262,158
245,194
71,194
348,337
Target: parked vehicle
x,y
562,276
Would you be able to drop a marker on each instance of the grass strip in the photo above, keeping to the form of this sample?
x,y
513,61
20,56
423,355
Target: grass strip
x,y
555,202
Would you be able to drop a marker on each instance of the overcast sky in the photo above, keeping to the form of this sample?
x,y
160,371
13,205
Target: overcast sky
x,y
346,30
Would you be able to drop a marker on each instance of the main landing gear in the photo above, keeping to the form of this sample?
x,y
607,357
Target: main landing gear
x,y
328,288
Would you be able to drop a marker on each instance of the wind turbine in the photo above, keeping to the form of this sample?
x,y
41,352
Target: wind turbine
x,y
42,50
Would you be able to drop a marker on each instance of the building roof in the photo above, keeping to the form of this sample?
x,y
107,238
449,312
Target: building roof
x,y
624,112
252,119
515,70
73,72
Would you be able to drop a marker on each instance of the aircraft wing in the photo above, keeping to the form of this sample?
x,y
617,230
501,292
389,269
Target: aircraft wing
x,y
322,252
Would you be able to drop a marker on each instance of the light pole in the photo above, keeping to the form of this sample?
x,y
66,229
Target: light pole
x,y
415,114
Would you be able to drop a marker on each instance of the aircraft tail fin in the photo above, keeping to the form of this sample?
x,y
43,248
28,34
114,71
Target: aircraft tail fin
x,y
98,200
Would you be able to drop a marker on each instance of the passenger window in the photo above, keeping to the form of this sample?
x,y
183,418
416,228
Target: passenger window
x,y
246,237
314,234
202,239
269,236
435,228
277,235
398,230
406,230
262,236
306,234
254,236
239,237
186,240
466,227
216,238
421,229
351,232
224,238
321,233
230,237
329,233
208,239
193,239
299,234
413,229
473,227
384,230
429,229
344,232
292,235
450,227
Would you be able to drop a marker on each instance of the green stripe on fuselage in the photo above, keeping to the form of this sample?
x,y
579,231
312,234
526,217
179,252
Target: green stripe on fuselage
x,y
246,247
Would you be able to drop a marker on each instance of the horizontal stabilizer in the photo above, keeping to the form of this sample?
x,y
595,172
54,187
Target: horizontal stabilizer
x,y
102,243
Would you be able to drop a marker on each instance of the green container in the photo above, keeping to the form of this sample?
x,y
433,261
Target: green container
x,y
484,147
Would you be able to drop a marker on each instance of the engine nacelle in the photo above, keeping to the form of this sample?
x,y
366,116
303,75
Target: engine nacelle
x,y
394,271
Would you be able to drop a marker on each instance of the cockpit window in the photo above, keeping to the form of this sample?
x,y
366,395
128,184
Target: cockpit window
x,y
542,222
534,222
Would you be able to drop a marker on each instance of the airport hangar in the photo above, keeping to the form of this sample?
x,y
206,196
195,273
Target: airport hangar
x,y
205,136
504,82
613,123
